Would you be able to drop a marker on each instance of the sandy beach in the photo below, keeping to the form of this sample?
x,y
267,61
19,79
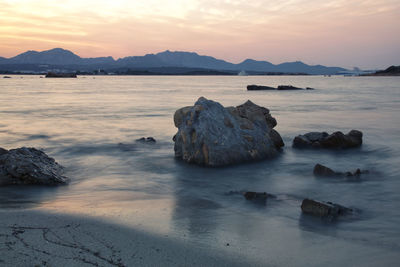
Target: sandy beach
x,y
34,238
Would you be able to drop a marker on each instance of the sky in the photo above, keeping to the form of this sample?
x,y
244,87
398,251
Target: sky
x,y
345,33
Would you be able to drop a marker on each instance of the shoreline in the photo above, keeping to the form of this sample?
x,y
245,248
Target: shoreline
x,y
37,238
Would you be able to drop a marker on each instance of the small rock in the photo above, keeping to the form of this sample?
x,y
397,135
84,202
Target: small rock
x,y
321,170
255,195
337,140
324,209
146,140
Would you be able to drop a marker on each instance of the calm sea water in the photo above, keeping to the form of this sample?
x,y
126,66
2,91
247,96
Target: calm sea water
x,y
90,125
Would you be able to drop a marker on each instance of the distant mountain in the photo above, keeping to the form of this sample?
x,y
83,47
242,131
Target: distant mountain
x,y
56,56
64,59
391,71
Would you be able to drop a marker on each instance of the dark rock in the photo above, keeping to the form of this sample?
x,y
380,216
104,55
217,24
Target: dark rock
x,y
60,75
29,166
337,140
320,170
254,87
255,195
6,77
309,88
288,87
3,151
323,209
211,135
146,140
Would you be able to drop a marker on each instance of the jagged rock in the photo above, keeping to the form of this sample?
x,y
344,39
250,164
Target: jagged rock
x,y
321,170
29,166
323,209
211,135
146,140
288,87
254,87
324,140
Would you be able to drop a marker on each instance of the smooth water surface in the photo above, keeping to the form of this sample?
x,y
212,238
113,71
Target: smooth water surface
x,y
90,125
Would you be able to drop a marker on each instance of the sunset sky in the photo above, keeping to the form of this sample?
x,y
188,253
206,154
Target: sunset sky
x,y
330,32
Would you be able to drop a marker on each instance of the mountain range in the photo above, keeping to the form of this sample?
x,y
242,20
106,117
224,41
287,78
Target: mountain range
x,y
62,59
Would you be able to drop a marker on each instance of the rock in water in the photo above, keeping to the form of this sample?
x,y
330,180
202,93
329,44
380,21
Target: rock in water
x,y
254,87
288,87
29,166
211,135
323,209
337,140
321,170
146,140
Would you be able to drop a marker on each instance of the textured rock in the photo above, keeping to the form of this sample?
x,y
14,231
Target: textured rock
x,y
211,135
323,209
29,166
337,140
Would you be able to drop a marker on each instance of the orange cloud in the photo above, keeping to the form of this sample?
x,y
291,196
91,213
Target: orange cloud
x,y
332,32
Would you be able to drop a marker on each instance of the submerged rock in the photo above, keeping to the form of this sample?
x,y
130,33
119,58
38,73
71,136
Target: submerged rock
x,y
255,195
211,135
323,171
323,209
337,140
146,140
29,166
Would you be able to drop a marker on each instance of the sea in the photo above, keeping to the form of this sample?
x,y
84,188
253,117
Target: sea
x,y
90,125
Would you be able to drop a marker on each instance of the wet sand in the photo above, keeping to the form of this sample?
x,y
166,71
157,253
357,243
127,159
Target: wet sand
x,y
35,238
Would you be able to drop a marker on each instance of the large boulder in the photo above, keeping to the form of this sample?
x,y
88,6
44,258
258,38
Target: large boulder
x,y
212,135
337,140
29,166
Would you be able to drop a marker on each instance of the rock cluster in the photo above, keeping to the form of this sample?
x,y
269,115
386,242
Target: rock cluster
x,y
29,166
212,135
337,140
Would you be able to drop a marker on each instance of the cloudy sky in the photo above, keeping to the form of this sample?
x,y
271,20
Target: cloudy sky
x,y
344,33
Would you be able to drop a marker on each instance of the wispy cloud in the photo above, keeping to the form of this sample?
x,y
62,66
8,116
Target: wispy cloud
x,y
331,32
